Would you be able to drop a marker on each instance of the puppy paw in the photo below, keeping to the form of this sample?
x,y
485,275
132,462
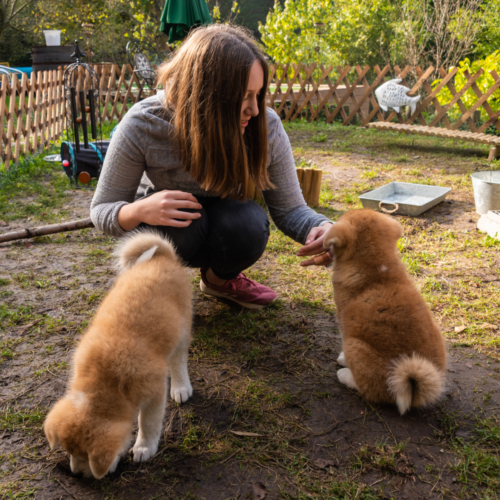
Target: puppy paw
x,y
345,377
341,359
143,450
181,393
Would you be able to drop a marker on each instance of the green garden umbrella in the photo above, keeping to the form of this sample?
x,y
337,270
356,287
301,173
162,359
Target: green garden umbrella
x,y
179,16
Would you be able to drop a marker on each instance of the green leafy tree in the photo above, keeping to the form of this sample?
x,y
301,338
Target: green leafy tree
x,y
333,32
11,12
115,23
484,82
489,39
439,32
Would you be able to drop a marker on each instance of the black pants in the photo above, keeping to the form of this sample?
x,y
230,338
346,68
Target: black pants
x,y
229,236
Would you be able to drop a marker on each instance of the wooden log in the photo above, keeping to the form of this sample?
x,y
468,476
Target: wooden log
x,y
494,153
300,176
44,230
315,188
306,184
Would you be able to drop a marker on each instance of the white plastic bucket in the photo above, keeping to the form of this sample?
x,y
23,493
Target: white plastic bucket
x,y
52,37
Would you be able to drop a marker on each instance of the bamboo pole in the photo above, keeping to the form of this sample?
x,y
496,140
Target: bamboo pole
x,y
44,230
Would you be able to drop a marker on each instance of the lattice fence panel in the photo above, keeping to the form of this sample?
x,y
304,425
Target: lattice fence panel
x,y
32,110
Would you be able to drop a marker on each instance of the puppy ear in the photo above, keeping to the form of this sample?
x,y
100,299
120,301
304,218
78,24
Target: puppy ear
x,y
337,236
52,436
105,453
52,425
101,461
396,228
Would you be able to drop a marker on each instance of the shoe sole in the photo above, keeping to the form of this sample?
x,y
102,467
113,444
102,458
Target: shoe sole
x,y
213,293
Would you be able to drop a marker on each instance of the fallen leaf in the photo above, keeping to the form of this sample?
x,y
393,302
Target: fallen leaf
x,y
28,244
292,305
259,491
243,433
489,326
322,463
459,329
468,365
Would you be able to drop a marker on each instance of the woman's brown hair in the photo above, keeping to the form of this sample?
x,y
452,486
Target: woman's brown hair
x,y
205,84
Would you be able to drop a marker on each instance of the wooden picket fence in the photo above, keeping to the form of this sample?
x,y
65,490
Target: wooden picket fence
x,y
32,111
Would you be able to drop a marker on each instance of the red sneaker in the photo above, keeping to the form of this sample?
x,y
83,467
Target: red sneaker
x,y
242,290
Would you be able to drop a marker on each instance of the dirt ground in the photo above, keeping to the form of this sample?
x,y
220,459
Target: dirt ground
x,y
272,373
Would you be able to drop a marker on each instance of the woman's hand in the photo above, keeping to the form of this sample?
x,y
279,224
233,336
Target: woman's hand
x,y
160,209
314,246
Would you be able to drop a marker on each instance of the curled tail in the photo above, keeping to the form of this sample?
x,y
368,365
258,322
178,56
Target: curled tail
x,y
141,246
413,103
415,381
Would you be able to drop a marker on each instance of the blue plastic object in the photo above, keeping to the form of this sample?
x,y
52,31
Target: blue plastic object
x,y
28,70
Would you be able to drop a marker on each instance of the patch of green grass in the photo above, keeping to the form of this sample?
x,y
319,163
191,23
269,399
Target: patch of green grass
x,y
21,420
369,174
52,368
319,137
477,462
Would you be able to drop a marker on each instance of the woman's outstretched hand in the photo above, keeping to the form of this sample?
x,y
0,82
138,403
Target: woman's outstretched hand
x,y
314,246
160,209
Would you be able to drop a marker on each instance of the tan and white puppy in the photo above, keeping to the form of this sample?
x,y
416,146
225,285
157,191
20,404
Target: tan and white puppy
x,y
393,350
140,333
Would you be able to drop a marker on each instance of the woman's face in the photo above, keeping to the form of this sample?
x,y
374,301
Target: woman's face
x,y
250,105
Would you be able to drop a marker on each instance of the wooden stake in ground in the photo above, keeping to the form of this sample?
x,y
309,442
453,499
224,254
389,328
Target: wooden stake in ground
x,y
44,230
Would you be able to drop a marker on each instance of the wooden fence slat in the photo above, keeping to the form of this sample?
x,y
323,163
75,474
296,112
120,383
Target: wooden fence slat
x,y
21,89
480,102
349,90
117,99
372,87
28,147
3,104
456,100
32,111
309,72
432,95
108,93
36,109
129,95
297,69
331,92
10,123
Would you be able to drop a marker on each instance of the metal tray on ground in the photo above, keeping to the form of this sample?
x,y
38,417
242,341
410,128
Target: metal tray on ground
x,y
404,198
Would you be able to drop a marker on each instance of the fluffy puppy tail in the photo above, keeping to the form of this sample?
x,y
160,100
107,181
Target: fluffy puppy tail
x,y
415,381
141,246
